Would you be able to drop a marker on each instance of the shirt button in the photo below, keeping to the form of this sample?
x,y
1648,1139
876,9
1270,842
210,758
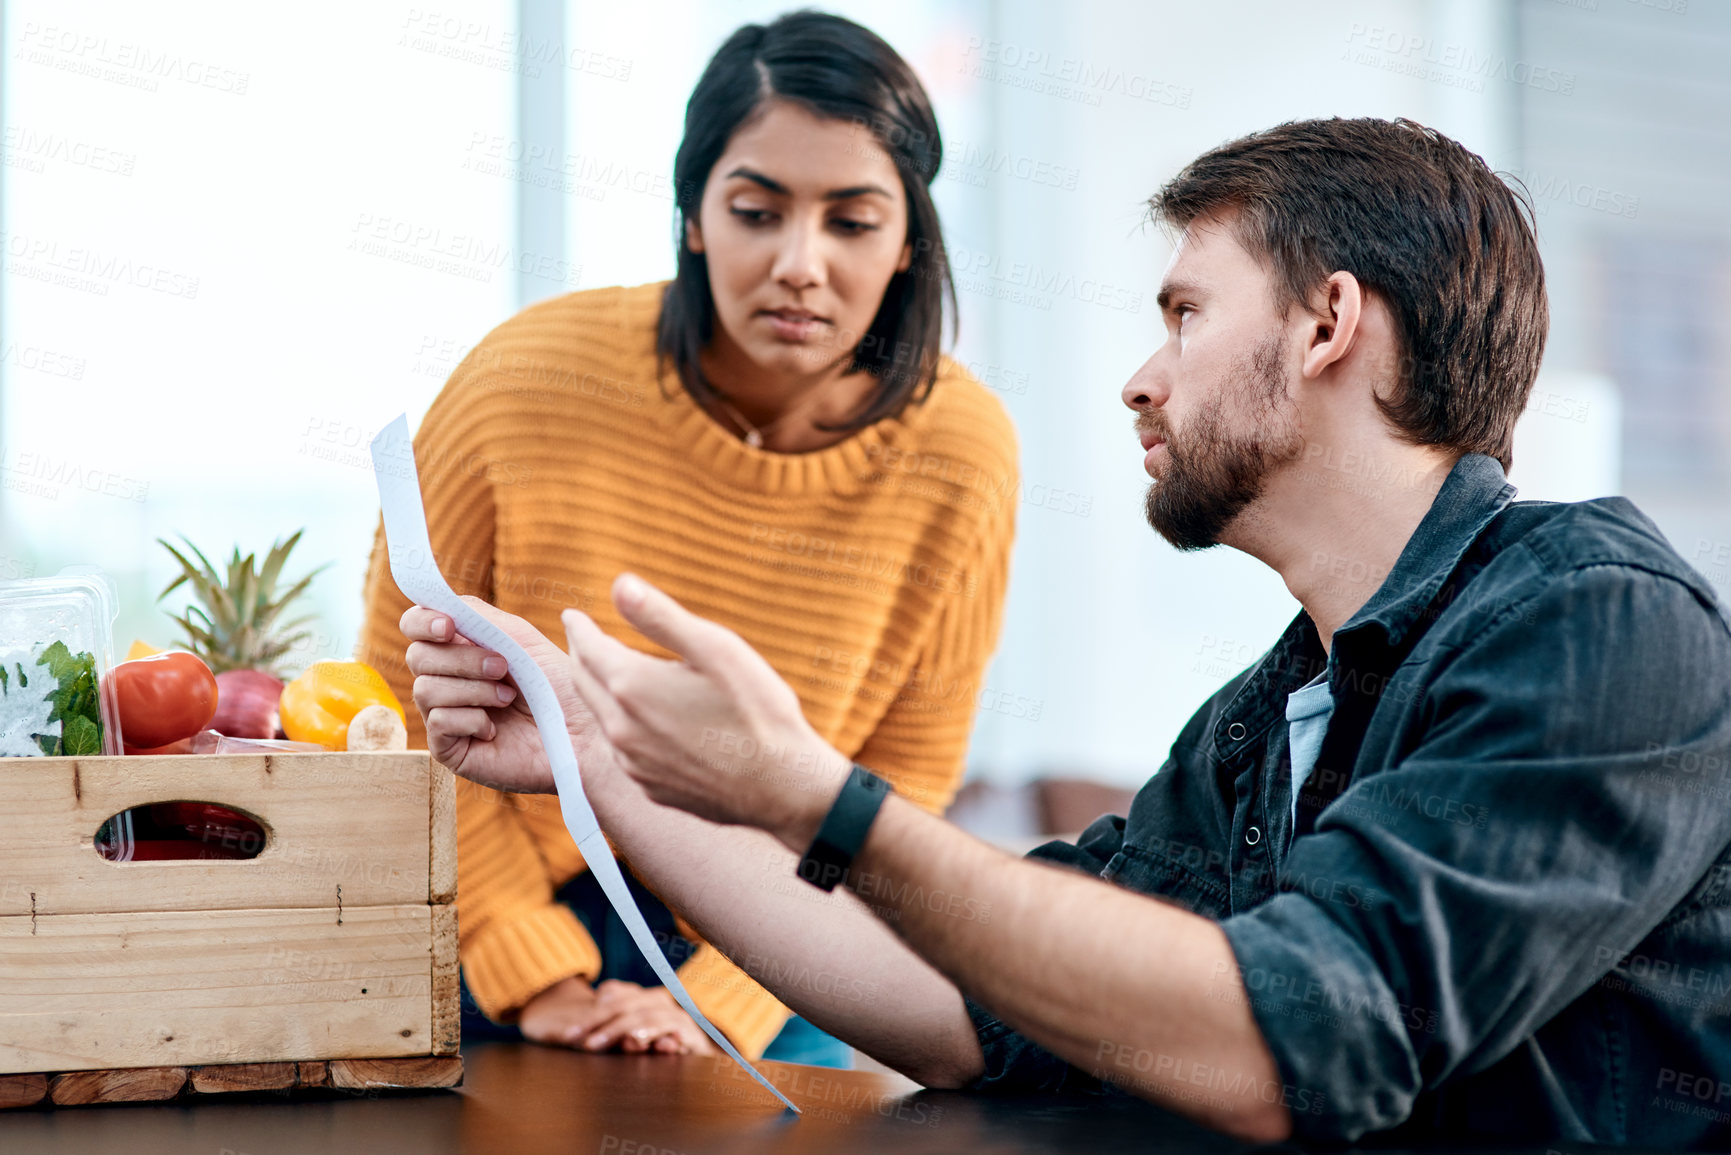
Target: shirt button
x,y
1253,836
1235,731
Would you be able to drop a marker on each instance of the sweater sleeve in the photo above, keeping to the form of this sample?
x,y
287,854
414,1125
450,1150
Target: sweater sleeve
x,y
921,744
740,1009
920,747
514,939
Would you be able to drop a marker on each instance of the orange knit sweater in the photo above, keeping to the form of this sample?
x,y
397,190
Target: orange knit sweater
x,y
870,574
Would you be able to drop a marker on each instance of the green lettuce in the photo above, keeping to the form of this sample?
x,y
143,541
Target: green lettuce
x,y
76,700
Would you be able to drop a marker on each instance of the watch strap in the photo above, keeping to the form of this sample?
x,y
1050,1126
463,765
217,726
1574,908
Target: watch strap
x,y
844,829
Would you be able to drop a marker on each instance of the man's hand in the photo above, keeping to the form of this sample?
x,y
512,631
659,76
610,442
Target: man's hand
x,y
477,722
615,1015
719,734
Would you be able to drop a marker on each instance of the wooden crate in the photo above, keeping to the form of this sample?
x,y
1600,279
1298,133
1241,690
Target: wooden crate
x,y
329,960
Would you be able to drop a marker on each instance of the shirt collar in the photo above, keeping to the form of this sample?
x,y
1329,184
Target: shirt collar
x,y
1474,492
1472,495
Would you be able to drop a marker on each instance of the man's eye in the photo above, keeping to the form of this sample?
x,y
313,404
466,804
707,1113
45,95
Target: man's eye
x,y
1184,312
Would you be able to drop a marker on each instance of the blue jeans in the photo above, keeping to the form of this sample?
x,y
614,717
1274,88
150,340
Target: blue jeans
x,y
798,1042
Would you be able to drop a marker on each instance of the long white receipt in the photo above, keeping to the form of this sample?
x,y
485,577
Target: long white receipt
x,y
417,575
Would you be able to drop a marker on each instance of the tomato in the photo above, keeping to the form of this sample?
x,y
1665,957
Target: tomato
x,y
163,698
184,746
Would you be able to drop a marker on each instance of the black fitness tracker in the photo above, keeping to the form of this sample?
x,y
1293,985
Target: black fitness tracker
x,y
844,829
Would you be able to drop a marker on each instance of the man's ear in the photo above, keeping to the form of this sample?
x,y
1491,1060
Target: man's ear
x,y
1336,311
693,235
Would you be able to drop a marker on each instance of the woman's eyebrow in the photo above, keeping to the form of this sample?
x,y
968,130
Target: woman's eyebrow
x,y
858,190
840,194
756,177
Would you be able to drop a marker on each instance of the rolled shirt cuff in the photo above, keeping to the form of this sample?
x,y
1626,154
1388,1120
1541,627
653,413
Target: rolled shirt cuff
x,y
1336,1028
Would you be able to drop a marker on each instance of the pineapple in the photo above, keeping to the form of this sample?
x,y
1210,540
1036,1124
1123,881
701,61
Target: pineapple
x,y
236,627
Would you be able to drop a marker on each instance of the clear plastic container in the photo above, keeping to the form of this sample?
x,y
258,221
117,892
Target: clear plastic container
x,y
56,648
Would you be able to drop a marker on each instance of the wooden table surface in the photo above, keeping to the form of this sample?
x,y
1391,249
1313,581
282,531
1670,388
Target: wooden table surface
x,y
520,1099
523,1100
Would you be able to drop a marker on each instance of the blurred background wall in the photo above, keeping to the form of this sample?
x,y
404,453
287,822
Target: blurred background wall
x,y
236,241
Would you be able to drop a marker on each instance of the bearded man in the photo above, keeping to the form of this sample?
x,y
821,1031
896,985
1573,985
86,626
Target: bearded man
x,y
1452,859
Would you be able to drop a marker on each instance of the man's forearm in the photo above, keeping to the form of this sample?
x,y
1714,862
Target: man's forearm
x,y
1120,985
1063,957
824,956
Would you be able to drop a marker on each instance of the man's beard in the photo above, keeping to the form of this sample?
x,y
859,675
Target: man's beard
x,y
1213,474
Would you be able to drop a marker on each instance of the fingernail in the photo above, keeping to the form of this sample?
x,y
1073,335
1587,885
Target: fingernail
x,y
442,629
506,693
630,588
595,1041
495,666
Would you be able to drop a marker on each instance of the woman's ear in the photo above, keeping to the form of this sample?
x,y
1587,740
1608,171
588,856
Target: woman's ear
x,y
1334,328
907,260
693,235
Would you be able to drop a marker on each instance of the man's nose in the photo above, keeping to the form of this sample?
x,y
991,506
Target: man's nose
x,y
1145,389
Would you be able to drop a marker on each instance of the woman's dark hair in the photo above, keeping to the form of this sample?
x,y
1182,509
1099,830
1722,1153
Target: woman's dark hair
x,y
1419,220
841,71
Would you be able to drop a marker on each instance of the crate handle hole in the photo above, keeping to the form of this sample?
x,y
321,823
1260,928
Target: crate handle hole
x,y
181,830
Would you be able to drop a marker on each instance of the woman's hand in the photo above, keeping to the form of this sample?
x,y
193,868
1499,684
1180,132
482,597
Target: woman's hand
x,y
561,1014
477,721
718,734
642,1019
615,1015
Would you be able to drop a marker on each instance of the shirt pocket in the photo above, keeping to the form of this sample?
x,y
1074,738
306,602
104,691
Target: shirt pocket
x,y
1153,872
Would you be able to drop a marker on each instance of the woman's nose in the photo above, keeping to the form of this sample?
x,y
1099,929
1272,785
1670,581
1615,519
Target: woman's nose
x,y
799,264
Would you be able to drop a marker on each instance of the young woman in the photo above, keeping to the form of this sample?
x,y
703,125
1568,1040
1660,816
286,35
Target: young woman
x,y
772,437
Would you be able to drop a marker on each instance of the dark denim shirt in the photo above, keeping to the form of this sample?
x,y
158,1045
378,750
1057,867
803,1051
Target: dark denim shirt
x,y
1506,908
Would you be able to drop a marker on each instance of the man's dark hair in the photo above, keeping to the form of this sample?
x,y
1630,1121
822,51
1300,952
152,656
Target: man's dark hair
x,y
1421,222
841,71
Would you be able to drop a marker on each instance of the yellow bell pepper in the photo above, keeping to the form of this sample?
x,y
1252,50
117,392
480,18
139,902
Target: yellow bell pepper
x,y
318,705
141,649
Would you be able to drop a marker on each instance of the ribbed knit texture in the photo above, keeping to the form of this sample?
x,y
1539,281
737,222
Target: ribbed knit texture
x,y
870,574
